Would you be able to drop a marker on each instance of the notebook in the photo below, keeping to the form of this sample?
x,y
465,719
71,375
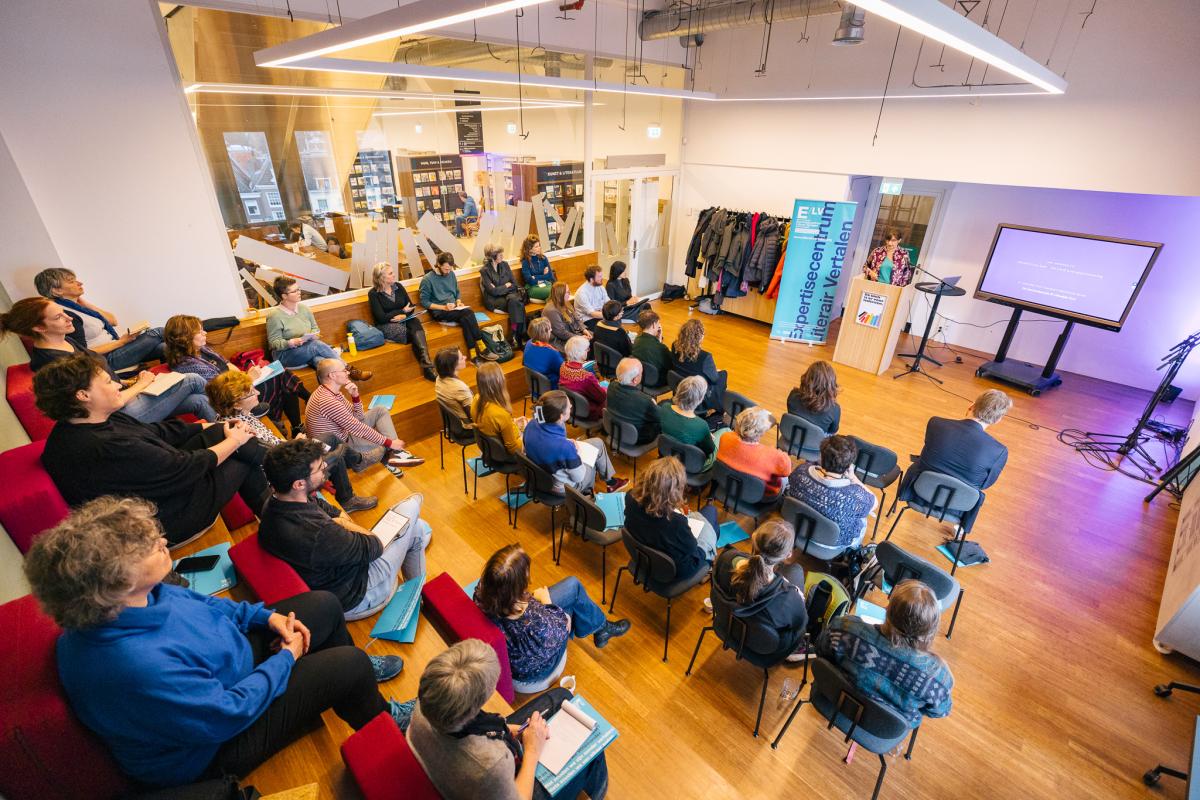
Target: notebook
x,y
389,526
598,737
383,401
272,369
696,526
588,453
398,620
869,612
217,579
613,506
162,382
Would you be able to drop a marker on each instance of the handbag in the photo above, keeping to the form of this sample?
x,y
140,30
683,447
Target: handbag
x,y
493,337
250,358
671,291
366,337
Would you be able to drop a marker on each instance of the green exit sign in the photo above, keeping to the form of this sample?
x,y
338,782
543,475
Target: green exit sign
x,y
891,185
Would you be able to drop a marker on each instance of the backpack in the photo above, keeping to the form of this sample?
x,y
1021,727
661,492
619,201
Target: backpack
x,y
671,291
493,337
366,337
249,358
826,598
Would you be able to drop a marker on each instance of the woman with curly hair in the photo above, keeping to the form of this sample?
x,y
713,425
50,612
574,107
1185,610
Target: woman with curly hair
x,y
536,269
188,352
690,358
653,517
815,399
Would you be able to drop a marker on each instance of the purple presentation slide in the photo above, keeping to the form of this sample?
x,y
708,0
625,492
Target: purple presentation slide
x,y
1083,276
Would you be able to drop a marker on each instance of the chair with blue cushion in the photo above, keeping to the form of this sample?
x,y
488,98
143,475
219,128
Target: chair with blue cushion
x,y
947,498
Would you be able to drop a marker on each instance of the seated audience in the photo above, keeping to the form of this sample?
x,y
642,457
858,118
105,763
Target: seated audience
x,y
369,434
654,516
49,326
834,490
536,269
547,445
329,550
233,396
188,470
678,419
630,404
470,753
500,292
618,289
468,211
964,449
188,352
440,295
609,332
538,624
560,311
395,315
95,328
591,297
766,590
292,333
449,388
491,411
648,347
180,686
746,453
539,355
575,376
815,399
689,358
306,234
892,662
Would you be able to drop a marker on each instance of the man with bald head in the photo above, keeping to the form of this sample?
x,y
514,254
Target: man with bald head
x,y
335,415
630,404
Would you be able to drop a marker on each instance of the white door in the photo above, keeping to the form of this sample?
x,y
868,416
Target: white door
x,y
632,214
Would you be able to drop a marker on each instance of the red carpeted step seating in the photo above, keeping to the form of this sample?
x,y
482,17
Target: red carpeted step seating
x,y
19,392
383,765
270,578
30,502
456,617
46,753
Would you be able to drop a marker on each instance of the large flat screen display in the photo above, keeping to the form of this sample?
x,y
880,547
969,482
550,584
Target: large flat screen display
x,y
1090,279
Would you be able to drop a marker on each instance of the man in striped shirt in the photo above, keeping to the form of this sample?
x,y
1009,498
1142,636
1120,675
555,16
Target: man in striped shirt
x,y
369,435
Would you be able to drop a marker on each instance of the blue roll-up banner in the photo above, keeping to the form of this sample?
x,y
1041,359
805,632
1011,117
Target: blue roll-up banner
x,y
816,252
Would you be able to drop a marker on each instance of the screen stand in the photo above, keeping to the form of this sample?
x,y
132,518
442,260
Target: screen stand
x,y
1032,379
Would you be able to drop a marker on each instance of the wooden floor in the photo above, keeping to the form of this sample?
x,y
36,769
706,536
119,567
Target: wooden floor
x,y
1052,655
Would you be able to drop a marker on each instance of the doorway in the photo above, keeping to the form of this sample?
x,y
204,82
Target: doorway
x,y
631,213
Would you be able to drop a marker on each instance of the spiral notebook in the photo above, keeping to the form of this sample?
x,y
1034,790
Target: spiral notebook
x,y
577,735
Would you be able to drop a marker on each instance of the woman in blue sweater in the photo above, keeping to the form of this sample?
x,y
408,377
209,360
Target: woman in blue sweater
x,y
180,685
536,269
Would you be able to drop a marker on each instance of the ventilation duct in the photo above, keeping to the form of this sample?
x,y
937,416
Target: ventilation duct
x,y
680,21
850,27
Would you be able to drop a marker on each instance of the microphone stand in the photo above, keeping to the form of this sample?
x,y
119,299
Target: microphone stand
x,y
937,290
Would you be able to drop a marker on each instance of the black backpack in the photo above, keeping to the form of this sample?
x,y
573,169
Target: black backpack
x,y
493,337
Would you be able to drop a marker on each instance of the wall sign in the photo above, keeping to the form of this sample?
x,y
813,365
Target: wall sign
x,y
470,126
816,252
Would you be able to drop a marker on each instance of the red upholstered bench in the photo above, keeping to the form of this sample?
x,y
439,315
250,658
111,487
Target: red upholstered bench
x,y
19,392
30,502
270,578
456,618
46,752
383,765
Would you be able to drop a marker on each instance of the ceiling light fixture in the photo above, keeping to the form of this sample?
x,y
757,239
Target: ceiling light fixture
x,y
511,127
654,131
418,127
456,110
933,95
943,24
423,15
369,94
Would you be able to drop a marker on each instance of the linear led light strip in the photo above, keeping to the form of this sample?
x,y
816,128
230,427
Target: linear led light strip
x,y
934,95
416,112
371,94
417,17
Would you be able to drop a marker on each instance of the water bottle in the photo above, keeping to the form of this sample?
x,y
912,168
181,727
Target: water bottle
x,y
350,344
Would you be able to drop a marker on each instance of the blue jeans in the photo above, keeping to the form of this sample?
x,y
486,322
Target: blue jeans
x,y
586,617
185,397
308,353
404,555
148,343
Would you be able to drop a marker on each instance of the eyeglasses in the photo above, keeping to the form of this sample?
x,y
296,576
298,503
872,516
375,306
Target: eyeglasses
x,y
248,396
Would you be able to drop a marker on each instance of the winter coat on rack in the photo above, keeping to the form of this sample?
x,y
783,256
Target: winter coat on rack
x,y
773,288
735,259
764,255
695,249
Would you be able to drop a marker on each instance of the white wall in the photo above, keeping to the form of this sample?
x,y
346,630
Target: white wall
x,y
1127,123
1166,310
97,125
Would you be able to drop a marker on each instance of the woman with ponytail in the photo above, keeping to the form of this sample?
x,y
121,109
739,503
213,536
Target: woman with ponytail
x,y
764,589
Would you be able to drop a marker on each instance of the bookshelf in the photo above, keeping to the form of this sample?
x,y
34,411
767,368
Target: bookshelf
x,y
371,184
429,183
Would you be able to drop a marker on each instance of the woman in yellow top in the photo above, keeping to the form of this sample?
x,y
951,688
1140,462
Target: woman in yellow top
x,y
492,409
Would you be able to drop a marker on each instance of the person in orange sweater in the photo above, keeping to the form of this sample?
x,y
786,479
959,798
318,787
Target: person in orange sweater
x,y
745,453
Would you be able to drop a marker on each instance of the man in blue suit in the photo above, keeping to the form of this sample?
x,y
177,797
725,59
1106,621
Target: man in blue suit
x,y
963,448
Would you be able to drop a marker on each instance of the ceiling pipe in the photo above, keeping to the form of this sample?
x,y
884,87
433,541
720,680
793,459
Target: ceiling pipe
x,y
680,21
850,27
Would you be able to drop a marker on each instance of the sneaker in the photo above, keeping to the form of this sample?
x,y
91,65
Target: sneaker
x,y
488,355
260,410
403,458
708,605
615,484
402,712
396,471
357,503
611,630
386,667
802,655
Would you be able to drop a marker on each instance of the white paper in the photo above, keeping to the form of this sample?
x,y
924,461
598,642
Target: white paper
x,y
390,525
588,453
569,729
162,382
696,526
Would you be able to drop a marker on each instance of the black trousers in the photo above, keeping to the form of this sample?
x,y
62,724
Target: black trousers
x,y
241,474
513,305
334,674
465,318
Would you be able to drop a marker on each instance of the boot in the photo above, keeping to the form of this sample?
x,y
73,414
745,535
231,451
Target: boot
x,y
421,351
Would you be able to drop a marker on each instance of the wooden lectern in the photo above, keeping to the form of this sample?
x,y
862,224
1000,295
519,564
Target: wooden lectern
x,y
871,325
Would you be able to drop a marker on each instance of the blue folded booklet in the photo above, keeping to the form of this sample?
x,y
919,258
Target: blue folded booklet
x,y
383,400
613,506
730,533
600,737
481,317
214,580
273,369
398,620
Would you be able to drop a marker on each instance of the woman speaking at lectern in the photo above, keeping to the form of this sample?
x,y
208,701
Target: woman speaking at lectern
x,y
888,263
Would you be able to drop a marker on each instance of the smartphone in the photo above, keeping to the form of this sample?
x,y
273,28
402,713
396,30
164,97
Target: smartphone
x,y
537,414
197,564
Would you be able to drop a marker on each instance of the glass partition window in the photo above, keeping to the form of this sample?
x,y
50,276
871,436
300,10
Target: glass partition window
x,y
320,171
254,174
